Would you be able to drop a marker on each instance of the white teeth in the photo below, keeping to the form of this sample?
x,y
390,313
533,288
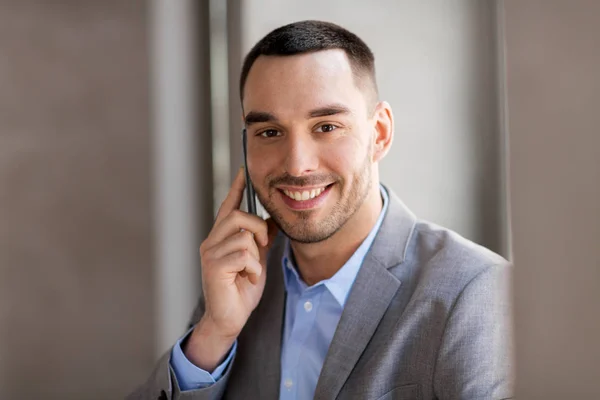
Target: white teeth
x,y
304,195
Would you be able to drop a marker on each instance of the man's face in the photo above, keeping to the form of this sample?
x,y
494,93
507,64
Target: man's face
x,y
309,141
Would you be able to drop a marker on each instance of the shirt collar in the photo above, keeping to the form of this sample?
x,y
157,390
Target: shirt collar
x,y
339,285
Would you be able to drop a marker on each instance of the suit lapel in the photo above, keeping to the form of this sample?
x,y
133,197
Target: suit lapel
x,y
258,361
373,290
371,294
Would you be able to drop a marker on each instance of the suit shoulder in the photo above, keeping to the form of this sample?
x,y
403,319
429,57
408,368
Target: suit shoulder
x,y
451,247
446,260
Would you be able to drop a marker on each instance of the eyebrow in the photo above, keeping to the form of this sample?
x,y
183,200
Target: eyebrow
x,y
254,117
332,109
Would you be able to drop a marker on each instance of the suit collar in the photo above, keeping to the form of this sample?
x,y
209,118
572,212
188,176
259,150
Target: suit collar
x,y
391,243
370,297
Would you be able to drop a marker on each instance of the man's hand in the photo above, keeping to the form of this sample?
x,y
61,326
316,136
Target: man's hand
x,y
234,257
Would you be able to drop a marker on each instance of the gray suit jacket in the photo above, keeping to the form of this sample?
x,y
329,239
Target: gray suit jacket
x,y
428,317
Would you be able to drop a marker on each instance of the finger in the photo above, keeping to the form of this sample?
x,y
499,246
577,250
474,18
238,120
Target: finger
x,y
272,230
234,197
240,261
252,278
239,241
235,222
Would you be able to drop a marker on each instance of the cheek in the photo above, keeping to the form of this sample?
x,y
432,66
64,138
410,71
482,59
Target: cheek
x,y
264,162
347,156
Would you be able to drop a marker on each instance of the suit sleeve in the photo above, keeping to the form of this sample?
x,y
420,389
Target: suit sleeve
x,y
162,383
188,375
475,360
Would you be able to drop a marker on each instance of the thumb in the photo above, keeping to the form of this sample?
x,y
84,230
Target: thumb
x,y
272,231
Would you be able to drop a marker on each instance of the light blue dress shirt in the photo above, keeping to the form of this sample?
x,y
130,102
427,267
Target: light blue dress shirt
x,y
312,314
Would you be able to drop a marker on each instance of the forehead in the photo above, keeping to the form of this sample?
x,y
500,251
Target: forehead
x,y
289,85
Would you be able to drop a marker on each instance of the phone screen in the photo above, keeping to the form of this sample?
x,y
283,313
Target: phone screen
x,y
250,195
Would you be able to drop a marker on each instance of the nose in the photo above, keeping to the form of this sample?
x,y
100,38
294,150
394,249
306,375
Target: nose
x,y
302,155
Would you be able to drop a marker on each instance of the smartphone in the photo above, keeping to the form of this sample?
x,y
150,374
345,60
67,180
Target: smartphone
x,y
250,194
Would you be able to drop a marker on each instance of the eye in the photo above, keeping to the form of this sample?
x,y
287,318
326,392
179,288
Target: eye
x,y
269,133
325,128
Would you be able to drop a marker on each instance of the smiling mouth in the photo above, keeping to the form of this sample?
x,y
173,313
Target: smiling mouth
x,y
304,195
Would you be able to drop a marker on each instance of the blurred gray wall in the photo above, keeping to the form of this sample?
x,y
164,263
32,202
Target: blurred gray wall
x,y
75,214
553,64
436,65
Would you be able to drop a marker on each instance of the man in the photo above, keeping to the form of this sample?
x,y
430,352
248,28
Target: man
x,y
342,293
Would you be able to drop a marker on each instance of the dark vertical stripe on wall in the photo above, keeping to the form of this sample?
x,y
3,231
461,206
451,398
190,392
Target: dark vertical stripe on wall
x,y
204,123
234,36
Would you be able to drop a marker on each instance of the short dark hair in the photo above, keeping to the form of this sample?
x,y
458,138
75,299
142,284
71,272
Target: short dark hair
x,y
310,36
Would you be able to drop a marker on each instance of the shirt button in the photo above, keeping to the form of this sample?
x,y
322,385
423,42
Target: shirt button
x,y
308,306
288,383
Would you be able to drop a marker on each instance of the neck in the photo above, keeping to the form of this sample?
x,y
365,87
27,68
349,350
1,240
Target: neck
x,y
320,261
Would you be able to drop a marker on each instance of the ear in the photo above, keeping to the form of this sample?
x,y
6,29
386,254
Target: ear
x,y
383,132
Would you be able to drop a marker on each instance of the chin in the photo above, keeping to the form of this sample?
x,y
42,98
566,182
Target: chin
x,y
308,228
309,237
